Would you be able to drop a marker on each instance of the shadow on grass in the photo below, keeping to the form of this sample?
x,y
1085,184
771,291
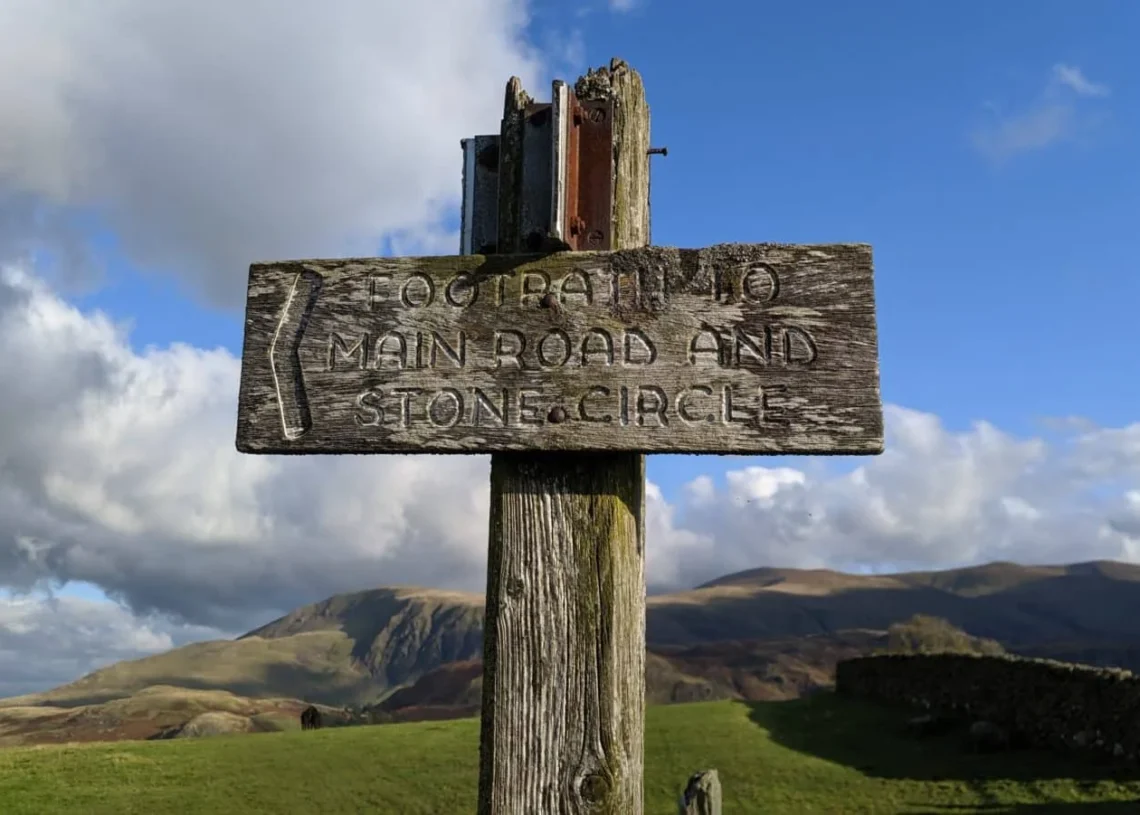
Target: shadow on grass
x,y
1070,808
872,739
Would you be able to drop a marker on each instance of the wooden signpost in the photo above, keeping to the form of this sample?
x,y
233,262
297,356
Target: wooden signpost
x,y
563,344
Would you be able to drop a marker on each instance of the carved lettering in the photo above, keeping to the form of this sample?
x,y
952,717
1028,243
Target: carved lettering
x,y
418,291
391,357
625,287
481,403
652,401
584,351
656,406
769,413
445,408
461,291
760,284
369,413
799,347
584,414
404,416
503,340
730,406
557,356
378,289
421,344
683,410
356,354
763,346
607,346
535,285
647,353
456,353
759,348
706,346
576,283
528,411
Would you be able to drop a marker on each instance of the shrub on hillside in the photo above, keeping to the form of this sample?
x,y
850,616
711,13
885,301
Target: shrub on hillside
x,y
923,634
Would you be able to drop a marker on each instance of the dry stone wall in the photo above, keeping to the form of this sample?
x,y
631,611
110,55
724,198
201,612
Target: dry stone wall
x,y
1041,703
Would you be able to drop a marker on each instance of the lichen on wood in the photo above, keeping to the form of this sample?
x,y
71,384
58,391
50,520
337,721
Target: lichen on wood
x,y
564,640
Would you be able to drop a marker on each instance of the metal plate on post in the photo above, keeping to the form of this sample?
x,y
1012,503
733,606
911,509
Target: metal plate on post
x,y
535,204
589,175
479,222
559,133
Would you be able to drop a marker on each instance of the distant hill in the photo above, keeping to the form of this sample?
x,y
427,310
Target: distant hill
x,y
1020,606
760,671
155,712
348,648
761,634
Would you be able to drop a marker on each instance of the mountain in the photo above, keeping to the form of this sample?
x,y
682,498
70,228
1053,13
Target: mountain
x,y
348,648
760,634
1020,606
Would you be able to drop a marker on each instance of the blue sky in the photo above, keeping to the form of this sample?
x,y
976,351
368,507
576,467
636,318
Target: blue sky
x,y
1004,283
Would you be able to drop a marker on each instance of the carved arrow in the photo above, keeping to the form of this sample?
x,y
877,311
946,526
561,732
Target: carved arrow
x,y
284,356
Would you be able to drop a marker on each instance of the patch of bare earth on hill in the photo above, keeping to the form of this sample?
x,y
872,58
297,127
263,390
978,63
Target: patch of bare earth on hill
x,y
154,712
808,582
766,670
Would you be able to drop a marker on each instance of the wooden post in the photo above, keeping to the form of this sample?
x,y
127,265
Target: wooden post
x,y
701,795
564,639
566,366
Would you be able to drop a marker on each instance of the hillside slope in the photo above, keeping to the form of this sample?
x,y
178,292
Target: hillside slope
x,y
1020,606
350,648
360,647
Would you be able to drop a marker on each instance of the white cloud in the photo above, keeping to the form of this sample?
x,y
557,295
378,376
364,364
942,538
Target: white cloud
x,y
118,468
1059,114
211,135
47,641
934,499
1073,78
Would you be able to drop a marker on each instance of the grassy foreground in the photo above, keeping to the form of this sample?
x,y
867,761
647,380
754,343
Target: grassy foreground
x,y
818,755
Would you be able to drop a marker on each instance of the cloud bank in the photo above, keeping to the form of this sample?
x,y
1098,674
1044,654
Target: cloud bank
x,y
118,468
209,135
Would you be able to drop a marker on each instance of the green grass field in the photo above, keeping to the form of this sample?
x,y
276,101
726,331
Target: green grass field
x,y
819,755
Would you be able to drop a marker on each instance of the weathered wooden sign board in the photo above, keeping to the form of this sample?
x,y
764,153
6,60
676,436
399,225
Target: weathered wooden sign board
x,y
738,348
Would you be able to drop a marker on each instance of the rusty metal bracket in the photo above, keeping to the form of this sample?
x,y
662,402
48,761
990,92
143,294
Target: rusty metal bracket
x,y
588,213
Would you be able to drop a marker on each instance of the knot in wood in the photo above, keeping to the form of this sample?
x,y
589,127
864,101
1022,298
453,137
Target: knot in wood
x,y
515,587
594,788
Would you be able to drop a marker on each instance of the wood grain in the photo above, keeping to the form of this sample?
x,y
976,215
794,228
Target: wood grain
x,y
564,637
738,348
